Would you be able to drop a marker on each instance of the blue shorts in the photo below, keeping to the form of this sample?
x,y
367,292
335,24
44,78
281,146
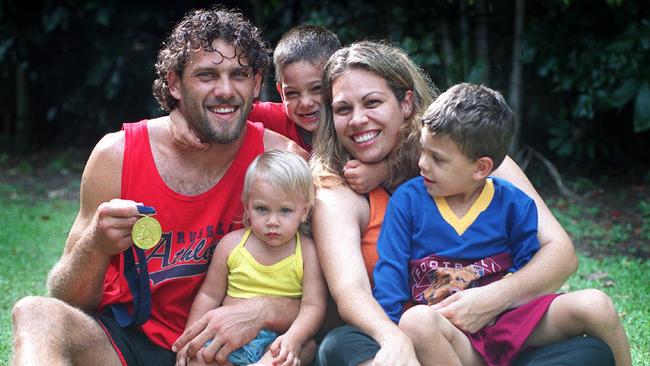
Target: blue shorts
x,y
254,350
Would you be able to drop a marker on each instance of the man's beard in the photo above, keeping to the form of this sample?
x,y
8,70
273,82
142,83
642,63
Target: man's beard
x,y
225,135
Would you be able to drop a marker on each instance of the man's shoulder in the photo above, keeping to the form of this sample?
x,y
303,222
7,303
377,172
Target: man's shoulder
x,y
110,146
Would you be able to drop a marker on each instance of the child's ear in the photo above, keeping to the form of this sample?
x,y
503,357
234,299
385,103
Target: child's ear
x,y
258,84
278,87
173,81
483,168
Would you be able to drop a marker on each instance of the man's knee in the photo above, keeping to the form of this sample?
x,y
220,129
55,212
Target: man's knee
x,y
28,309
41,313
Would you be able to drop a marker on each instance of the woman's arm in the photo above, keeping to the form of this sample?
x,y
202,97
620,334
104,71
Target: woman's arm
x,y
340,216
555,261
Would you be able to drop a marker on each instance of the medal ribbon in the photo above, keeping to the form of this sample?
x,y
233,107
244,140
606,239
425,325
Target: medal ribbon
x,y
138,281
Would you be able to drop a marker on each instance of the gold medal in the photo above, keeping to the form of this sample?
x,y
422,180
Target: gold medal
x,y
146,232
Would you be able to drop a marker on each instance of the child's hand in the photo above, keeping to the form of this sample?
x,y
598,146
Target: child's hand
x,y
286,351
181,356
182,135
362,177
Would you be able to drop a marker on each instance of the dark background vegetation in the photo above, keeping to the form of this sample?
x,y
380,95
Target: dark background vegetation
x,y
73,70
577,73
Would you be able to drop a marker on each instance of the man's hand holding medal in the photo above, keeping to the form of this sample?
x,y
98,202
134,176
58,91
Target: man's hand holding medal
x,y
122,223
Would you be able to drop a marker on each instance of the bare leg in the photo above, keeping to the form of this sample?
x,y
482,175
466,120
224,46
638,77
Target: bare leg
x,y
436,340
583,312
47,330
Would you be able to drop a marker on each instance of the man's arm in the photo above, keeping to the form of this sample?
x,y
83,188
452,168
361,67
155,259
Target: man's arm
x,y
101,229
555,261
236,323
273,140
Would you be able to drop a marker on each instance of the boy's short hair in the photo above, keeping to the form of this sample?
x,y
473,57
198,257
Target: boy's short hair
x,y
477,118
311,43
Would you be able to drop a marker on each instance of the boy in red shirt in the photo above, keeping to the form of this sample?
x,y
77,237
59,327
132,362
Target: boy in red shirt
x,y
298,58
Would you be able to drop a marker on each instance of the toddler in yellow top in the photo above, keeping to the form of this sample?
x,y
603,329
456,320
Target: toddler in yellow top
x,y
269,257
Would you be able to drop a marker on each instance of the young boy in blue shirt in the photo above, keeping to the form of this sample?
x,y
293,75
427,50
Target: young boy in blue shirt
x,y
456,227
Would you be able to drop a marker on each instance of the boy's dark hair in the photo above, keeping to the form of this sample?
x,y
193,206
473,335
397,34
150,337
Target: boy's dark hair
x,y
476,118
311,43
196,31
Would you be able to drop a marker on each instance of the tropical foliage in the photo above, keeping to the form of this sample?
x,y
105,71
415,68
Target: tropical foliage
x,y
74,70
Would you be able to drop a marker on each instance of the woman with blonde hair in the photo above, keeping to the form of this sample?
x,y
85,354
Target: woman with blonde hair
x,y
373,96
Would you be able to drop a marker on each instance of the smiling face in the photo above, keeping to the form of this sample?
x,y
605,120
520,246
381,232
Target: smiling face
x,y
274,214
446,170
216,92
367,115
300,90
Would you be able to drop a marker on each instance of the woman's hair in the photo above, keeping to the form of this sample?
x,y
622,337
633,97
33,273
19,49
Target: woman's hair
x,y
401,74
284,171
198,30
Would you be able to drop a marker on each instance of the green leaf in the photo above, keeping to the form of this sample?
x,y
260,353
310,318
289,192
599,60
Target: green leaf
x,y
623,94
4,46
642,109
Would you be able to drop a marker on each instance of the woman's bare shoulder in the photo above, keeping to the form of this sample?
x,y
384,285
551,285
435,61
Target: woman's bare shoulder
x,y
340,206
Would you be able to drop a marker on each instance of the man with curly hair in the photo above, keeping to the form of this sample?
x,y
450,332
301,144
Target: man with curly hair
x,y
113,303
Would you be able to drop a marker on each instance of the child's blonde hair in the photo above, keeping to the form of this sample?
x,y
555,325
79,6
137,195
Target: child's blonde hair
x,y
282,170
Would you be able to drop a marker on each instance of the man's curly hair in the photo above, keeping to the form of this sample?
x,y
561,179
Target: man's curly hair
x,y
197,30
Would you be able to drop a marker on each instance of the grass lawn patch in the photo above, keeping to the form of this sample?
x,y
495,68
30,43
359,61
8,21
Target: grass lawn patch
x,y
32,237
611,229
624,280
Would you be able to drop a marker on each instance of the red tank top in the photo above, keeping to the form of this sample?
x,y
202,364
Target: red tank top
x,y
192,226
274,117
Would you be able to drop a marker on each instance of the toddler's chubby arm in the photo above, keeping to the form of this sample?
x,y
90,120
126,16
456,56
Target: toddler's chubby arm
x,y
287,347
209,298
364,177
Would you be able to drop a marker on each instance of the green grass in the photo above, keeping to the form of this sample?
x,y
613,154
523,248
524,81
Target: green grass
x,y
625,280
33,234
31,240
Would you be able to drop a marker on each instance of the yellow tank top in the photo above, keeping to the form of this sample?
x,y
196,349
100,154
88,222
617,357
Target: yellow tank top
x,y
248,278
